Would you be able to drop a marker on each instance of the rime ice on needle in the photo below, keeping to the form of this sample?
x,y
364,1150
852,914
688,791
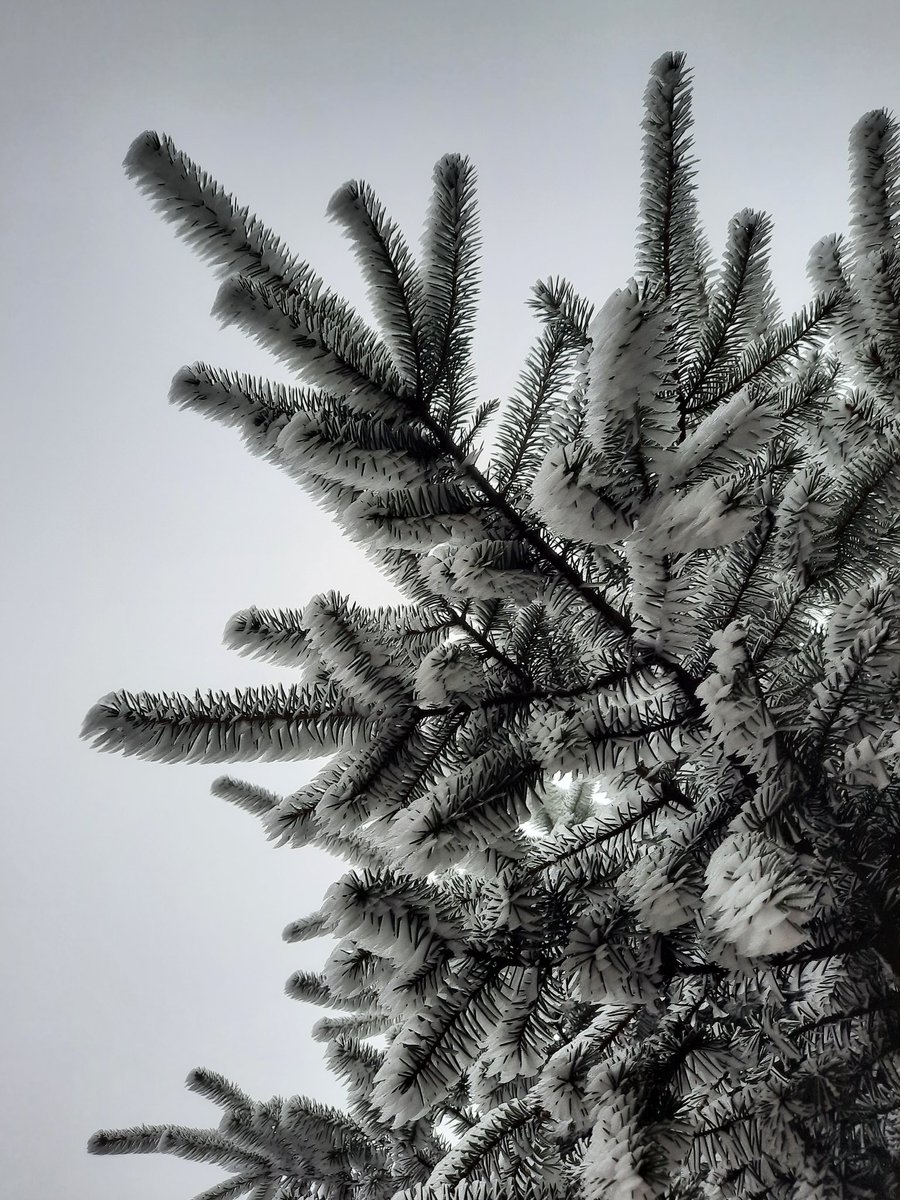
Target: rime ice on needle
x,y
676,582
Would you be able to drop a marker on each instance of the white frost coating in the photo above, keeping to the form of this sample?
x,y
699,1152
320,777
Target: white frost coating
x,y
737,716
703,517
478,806
627,365
565,493
607,973
559,743
833,707
757,897
265,724
249,796
489,569
436,571
851,424
584,739
306,448
260,408
662,602
274,635
495,570
434,1036
487,1133
826,270
561,1092
801,516
416,518
562,1088
516,1043
613,1161
450,675
733,432
825,266
307,929
466,1189
343,972
233,241
653,889
877,597
352,653
874,200
875,279
383,920
394,281
314,337
866,761
420,834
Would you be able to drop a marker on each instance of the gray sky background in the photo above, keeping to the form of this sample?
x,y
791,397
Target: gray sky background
x,y
142,917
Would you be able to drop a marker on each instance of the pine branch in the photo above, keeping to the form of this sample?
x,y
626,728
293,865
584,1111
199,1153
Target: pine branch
x,y
209,219
560,777
671,248
754,365
521,436
742,300
556,301
315,335
258,723
450,249
523,529
875,186
482,1140
395,285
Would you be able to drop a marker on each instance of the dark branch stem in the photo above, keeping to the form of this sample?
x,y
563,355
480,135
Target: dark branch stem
x,y
587,593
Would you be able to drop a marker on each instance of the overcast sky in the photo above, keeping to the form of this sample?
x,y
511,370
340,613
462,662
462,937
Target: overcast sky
x,y
141,916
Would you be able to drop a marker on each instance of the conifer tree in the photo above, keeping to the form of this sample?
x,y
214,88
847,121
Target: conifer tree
x,y
618,787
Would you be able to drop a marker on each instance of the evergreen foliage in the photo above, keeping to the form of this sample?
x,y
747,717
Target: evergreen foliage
x,y
619,788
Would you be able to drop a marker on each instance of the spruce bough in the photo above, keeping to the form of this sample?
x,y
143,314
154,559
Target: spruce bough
x,y
618,788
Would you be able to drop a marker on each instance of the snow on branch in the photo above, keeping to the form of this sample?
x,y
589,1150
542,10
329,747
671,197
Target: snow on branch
x,y
314,335
875,195
616,787
525,423
208,218
480,1141
258,801
423,1060
573,496
734,704
778,349
555,299
273,635
353,654
418,518
671,248
392,274
484,801
757,896
450,250
270,723
355,452
743,305
629,419
492,569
